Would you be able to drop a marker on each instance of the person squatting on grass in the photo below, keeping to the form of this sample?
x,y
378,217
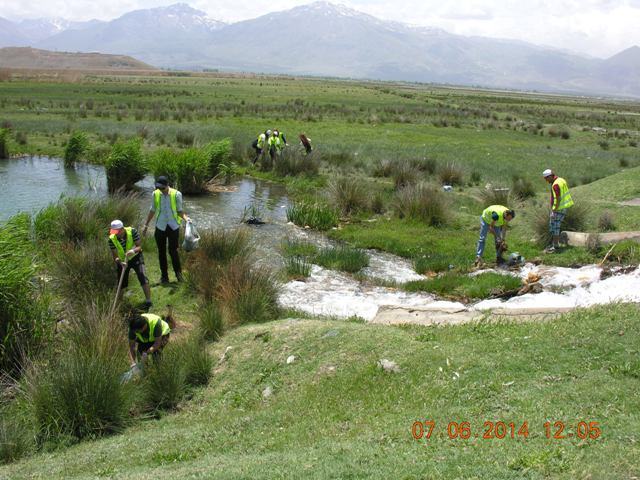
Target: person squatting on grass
x,y
561,201
150,333
166,206
494,220
259,145
124,243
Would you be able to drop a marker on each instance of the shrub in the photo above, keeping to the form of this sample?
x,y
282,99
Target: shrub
x,y
293,162
165,380
218,153
189,170
4,143
76,146
451,174
313,215
125,165
422,202
248,293
348,195
343,258
211,325
606,222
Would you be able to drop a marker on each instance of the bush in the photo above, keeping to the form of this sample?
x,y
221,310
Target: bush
x,y
313,215
25,320
294,162
4,143
451,174
606,222
211,325
165,380
196,361
76,146
343,258
124,165
348,195
248,294
422,202
218,153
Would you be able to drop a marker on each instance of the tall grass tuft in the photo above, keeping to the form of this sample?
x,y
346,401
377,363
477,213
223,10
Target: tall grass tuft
x,y
495,196
422,202
217,153
304,248
522,188
575,221
76,146
343,258
195,358
248,293
189,170
294,162
404,174
125,165
348,195
297,267
451,174
25,320
312,215
15,437
606,222
4,143
77,393
211,324
165,380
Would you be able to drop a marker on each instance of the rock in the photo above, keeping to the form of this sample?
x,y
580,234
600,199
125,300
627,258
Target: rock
x,y
388,366
291,359
447,188
267,392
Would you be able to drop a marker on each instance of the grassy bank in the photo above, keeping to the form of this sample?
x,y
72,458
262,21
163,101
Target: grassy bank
x,y
333,413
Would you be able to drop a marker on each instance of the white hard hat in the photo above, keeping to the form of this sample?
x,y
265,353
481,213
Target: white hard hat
x,y
116,226
547,173
268,132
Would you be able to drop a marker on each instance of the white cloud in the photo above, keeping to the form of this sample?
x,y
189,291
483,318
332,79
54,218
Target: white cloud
x,y
596,27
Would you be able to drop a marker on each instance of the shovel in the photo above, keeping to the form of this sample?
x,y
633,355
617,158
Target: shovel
x,y
115,300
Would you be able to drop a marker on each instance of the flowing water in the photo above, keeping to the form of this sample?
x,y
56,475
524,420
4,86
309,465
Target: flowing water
x,y
29,184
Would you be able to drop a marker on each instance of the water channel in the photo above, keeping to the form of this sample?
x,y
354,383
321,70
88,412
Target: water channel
x,y
29,184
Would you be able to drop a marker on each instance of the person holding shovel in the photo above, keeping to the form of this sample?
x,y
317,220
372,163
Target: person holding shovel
x,y
126,250
494,220
150,334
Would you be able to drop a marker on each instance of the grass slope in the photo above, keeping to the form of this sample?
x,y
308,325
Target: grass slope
x,y
333,414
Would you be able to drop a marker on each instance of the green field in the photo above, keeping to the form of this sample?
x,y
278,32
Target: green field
x,y
332,412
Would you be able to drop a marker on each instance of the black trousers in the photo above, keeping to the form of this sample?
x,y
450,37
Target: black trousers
x,y
161,241
137,265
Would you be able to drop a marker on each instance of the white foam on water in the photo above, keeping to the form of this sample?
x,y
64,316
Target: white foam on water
x,y
562,276
390,267
331,293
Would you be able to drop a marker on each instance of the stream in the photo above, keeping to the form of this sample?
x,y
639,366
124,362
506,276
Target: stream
x,y
33,183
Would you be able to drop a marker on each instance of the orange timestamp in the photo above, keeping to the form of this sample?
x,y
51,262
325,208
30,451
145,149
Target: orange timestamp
x,y
499,430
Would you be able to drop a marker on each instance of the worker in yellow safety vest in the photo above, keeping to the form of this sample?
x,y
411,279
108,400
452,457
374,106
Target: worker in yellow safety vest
x,y
150,333
561,201
260,143
494,220
126,250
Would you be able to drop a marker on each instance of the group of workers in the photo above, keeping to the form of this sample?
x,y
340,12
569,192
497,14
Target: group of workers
x,y
149,331
494,219
274,142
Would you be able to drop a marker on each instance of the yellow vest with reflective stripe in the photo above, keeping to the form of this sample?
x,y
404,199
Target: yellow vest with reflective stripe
x,y
152,321
174,204
261,139
499,209
565,197
129,243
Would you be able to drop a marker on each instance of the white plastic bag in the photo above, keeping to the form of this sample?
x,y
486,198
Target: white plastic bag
x,y
191,237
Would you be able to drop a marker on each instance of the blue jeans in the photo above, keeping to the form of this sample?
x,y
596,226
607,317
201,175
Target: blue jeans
x,y
484,230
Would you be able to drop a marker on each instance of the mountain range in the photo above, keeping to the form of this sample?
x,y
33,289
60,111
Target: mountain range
x,y
324,39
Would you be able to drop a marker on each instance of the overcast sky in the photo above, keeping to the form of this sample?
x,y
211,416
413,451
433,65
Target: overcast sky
x,y
599,28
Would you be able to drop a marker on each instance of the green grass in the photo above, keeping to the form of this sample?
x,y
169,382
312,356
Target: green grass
x,y
343,258
333,414
455,285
